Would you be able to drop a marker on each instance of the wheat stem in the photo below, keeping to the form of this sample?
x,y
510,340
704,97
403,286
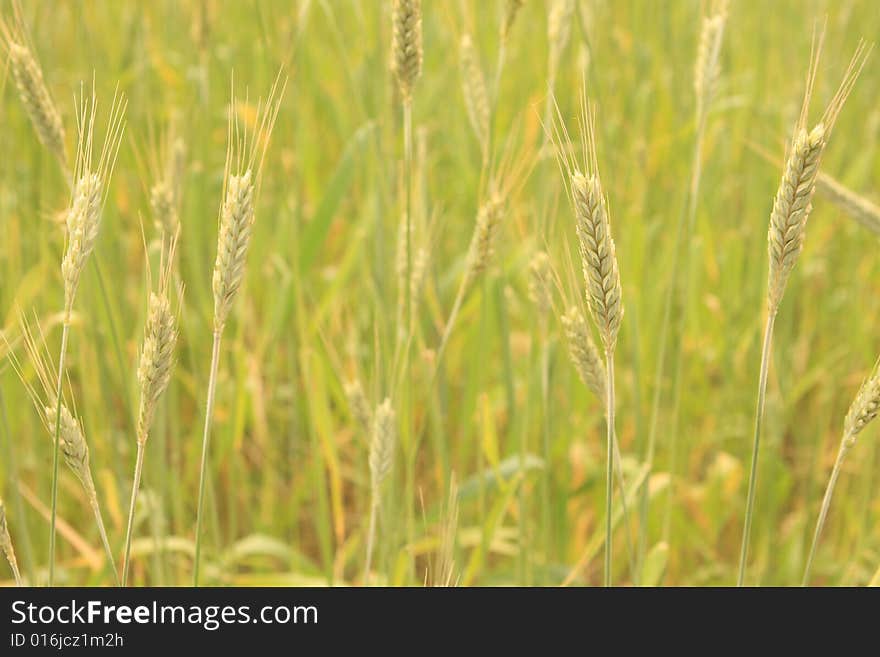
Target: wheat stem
x,y
136,482
65,331
203,469
371,536
823,513
91,493
753,470
609,458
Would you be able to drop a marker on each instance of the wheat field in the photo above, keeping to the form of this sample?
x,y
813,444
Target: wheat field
x,y
360,291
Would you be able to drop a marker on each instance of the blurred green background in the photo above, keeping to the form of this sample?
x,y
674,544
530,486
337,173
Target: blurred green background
x,y
289,496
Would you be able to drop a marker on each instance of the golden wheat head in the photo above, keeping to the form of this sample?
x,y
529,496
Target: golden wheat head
x,y
406,44
245,154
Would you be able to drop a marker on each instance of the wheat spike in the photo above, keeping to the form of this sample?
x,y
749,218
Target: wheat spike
x,y
162,207
32,89
406,44
511,10
382,446
598,257
583,352
245,154
863,409
157,355
559,21
36,100
791,208
236,222
592,224
359,406
707,69
6,545
72,442
482,245
83,217
793,202
476,94
166,192
541,283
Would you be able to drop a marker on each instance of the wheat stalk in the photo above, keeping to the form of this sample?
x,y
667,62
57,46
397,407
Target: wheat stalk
x,y
600,270
862,411
61,423
245,154
858,207
588,363
707,71
83,222
788,221
382,444
6,546
153,374
32,89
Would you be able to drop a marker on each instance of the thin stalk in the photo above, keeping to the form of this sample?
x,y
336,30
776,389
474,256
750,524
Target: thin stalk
x,y
114,334
450,323
407,361
685,222
371,535
759,416
136,483
16,573
65,332
206,437
99,519
547,480
823,513
609,468
499,67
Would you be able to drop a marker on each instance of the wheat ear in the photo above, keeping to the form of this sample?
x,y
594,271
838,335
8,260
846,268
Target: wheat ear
x,y
861,412
508,18
788,221
153,374
600,270
6,546
406,44
358,406
476,95
32,90
559,18
245,154
382,444
83,221
69,439
169,168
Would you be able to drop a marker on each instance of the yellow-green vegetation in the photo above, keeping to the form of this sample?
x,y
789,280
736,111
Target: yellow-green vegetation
x,y
392,215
